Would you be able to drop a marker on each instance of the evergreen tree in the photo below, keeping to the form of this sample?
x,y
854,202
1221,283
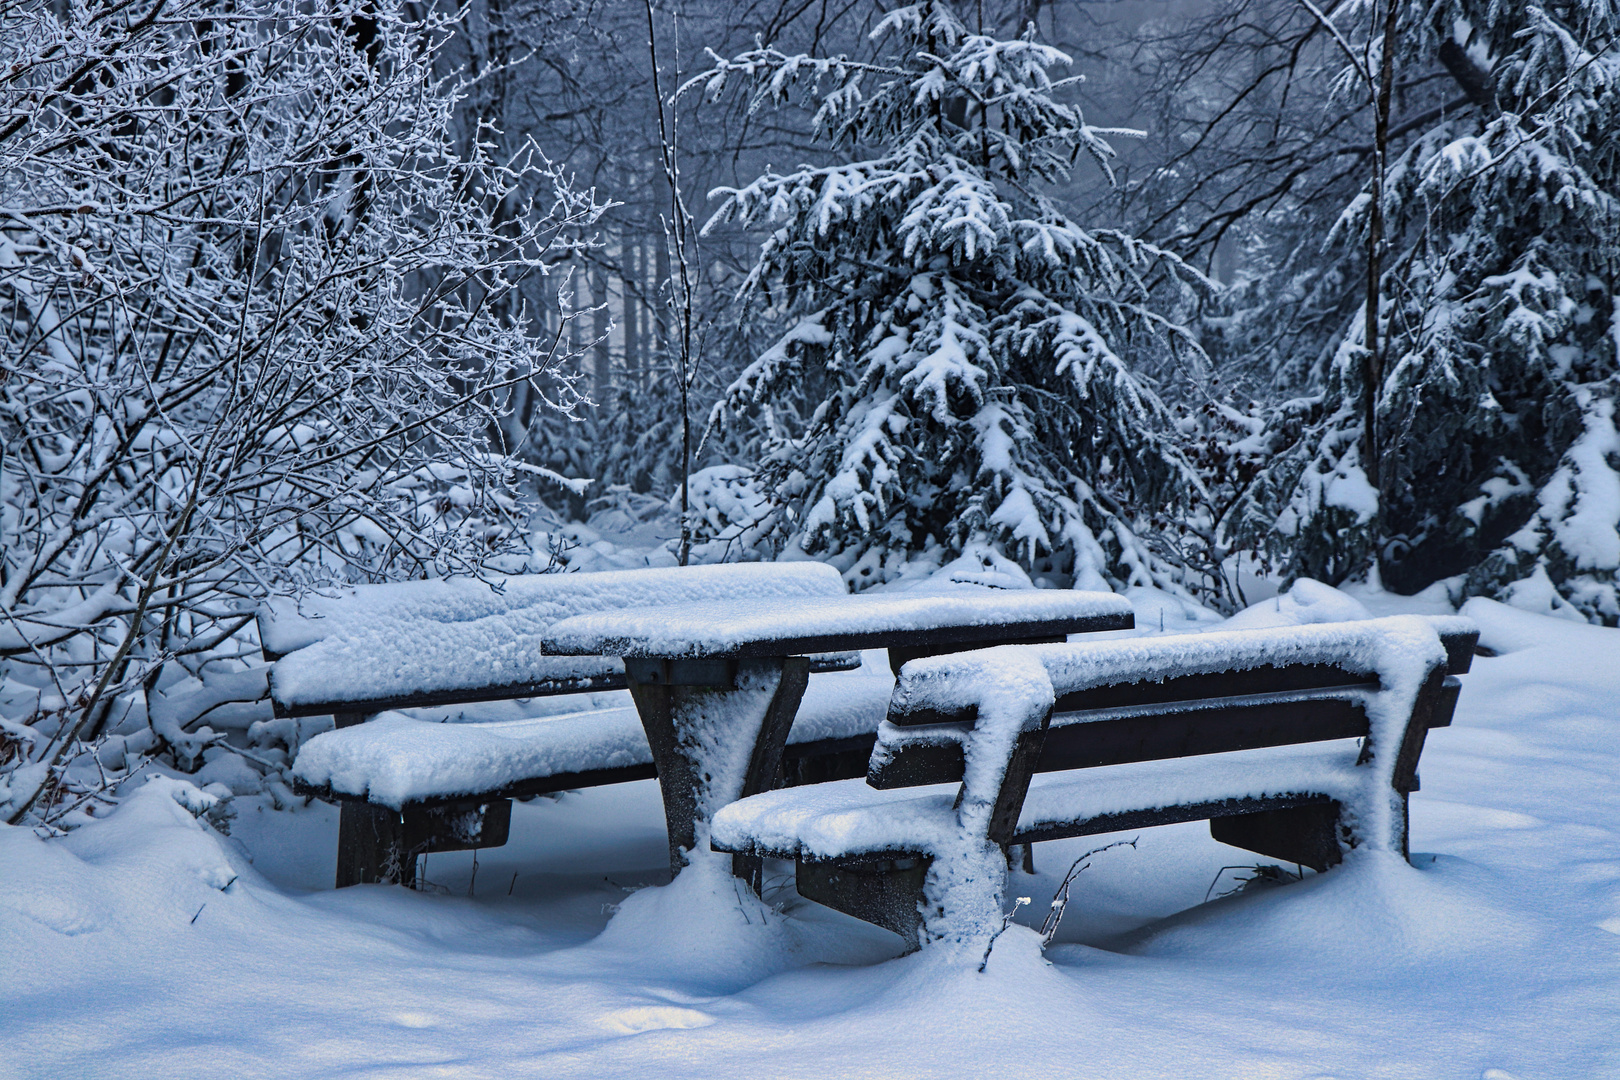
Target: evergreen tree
x,y
961,367
1495,330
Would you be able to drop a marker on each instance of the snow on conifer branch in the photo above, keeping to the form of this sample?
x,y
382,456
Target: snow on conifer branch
x,y
974,350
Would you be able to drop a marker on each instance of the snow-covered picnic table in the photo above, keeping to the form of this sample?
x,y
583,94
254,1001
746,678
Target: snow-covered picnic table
x,y
717,683
410,785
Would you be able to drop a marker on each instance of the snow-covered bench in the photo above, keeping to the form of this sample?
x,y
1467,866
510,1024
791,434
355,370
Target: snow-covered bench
x,y
1251,729
412,786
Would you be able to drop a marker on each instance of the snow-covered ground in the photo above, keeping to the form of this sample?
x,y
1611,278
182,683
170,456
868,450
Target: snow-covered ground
x,y
147,945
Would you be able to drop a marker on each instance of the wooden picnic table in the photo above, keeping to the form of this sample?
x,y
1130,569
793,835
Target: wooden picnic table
x,y
716,684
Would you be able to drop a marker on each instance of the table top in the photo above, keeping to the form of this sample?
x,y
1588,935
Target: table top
x,y
793,626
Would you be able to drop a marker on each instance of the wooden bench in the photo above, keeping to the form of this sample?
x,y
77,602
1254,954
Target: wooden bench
x,y
1250,729
419,787
375,648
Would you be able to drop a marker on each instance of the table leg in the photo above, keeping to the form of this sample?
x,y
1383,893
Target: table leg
x,y
716,732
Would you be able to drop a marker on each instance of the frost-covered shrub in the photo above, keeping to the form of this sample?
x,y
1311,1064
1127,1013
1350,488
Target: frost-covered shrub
x,y
730,516
256,330
961,364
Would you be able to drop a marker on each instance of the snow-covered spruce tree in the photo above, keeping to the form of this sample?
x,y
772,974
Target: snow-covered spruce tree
x,y
250,346
1496,327
960,354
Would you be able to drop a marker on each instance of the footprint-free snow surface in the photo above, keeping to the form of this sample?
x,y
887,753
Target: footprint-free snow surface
x,y
147,946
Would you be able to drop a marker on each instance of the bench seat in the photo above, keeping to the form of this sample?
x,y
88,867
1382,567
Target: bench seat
x,y
395,760
849,819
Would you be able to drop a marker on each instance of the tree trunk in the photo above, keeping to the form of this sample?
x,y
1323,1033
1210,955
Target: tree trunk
x,y
661,290
630,279
1373,366
602,354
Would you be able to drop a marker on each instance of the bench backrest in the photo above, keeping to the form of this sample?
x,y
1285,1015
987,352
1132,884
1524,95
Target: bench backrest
x,y
431,642
1144,699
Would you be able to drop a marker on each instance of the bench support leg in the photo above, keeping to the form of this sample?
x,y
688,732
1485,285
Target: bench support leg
x,y
370,838
371,847
1307,835
714,744
885,892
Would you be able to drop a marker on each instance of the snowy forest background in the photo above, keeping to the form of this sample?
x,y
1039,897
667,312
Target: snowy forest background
x,y
1136,294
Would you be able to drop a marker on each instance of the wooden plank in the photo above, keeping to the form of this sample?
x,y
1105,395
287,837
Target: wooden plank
x,y
682,778
1307,835
370,849
765,761
1446,706
1266,679
1015,778
697,671
825,760
368,836
1145,733
1460,651
886,892
1253,682
466,825
917,763
1162,815
802,763
1429,700
965,637
899,656
1212,727
454,696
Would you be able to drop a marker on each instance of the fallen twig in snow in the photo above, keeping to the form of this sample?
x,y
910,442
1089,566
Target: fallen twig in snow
x,y
1060,902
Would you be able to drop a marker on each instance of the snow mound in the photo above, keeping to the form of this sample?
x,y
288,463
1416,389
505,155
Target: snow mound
x,y
1373,913
1307,601
149,866
979,564
1507,628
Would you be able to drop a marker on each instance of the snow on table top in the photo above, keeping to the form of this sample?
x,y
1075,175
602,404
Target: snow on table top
x,y
848,818
786,626
376,666
388,642
287,625
395,759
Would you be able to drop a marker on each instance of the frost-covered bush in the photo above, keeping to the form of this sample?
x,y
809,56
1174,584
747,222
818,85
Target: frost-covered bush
x,y
962,359
256,329
730,516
